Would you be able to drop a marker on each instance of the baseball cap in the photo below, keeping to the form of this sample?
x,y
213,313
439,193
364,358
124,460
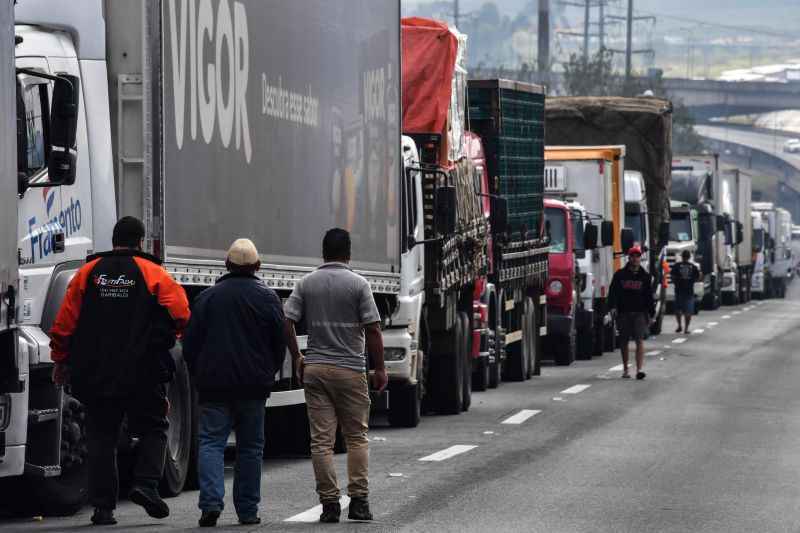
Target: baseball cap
x,y
243,253
635,250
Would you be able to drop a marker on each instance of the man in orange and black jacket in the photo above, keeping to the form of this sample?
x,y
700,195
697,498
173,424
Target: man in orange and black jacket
x,y
111,342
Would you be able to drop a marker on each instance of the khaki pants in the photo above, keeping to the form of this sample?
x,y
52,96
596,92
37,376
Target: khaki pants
x,y
338,395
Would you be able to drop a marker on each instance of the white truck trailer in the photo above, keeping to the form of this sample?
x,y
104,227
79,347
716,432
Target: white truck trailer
x,y
736,194
210,120
773,279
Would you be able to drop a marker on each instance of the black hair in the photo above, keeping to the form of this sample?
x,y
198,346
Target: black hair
x,y
336,245
686,254
128,233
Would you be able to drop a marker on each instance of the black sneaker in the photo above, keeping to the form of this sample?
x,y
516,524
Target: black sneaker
x,y
250,521
208,519
330,513
103,517
359,509
678,329
640,375
149,499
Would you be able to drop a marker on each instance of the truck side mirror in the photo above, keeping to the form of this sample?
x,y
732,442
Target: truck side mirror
x,y
706,226
61,164
663,234
499,215
720,219
607,233
590,237
729,235
739,233
626,236
446,210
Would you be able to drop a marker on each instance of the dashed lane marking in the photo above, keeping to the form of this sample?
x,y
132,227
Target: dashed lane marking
x,y
521,417
575,389
679,340
737,313
697,331
447,453
725,317
312,515
618,368
653,352
712,324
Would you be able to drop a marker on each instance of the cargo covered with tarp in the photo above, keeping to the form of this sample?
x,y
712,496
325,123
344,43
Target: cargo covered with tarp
x,y
434,110
642,124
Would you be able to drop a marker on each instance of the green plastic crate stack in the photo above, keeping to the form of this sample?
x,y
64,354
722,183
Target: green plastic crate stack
x,y
509,117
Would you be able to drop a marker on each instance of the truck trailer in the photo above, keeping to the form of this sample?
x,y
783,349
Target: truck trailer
x,y
737,281
209,121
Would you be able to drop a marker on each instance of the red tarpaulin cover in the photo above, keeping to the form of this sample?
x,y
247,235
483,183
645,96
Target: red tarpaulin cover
x,y
429,59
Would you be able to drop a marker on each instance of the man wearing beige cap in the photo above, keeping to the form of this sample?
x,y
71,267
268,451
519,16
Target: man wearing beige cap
x,y
233,346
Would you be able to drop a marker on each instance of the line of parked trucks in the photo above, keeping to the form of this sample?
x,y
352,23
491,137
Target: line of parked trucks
x,y
489,242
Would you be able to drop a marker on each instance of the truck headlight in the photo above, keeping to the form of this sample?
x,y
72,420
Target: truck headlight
x,y
555,287
394,354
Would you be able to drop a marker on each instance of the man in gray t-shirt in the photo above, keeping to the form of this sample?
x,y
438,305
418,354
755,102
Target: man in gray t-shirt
x,y
343,324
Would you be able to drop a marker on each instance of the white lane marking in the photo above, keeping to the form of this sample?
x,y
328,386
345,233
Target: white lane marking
x,y
488,432
680,340
618,368
521,417
447,453
575,389
737,312
725,317
667,346
697,331
558,399
312,515
654,352
712,324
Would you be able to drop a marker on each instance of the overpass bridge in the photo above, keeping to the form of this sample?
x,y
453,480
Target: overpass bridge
x,y
705,98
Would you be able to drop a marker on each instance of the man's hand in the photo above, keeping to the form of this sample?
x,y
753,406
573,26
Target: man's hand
x,y
299,366
60,374
380,379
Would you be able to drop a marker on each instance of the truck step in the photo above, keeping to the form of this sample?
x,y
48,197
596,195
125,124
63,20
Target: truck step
x,y
38,416
42,471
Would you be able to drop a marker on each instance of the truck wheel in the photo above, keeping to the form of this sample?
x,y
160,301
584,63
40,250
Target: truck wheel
x,y
566,347
516,364
585,343
480,378
405,406
599,337
610,336
180,436
466,357
66,494
449,375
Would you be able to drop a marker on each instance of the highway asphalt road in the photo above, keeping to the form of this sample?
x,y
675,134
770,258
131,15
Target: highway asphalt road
x,y
761,140
710,441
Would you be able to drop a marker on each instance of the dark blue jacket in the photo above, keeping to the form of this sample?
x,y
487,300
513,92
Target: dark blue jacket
x,y
234,343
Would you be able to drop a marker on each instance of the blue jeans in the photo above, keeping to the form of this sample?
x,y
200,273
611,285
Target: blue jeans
x,y
216,422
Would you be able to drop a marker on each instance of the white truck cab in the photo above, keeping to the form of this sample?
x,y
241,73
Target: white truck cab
x,y
683,235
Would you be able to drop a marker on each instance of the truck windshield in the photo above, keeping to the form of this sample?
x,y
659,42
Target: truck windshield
x,y
634,221
558,229
680,228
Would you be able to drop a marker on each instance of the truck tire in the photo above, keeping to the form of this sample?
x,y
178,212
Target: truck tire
x,y
466,355
585,343
515,367
66,494
598,337
532,342
480,377
448,380
405,406
182,431
566,347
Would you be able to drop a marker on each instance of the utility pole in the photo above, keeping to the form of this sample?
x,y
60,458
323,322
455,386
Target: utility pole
x,y
544,36
602,23
456,12
586,23
629,44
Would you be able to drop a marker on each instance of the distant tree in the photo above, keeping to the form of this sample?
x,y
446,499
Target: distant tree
x,y
592,77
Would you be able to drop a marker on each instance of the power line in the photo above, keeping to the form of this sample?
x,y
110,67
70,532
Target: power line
x,y
722,26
